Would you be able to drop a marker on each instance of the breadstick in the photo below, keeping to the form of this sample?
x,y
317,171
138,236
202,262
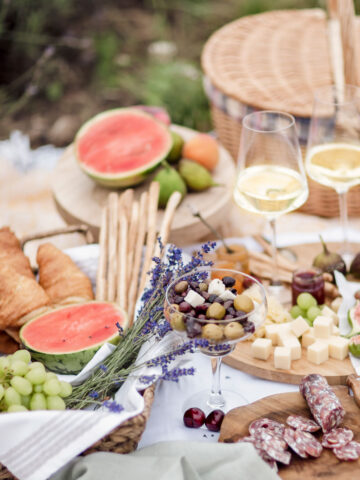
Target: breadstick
x,y
262,257
258,268
138,248
112,246
126,200
133,231
281,260
151,232
122,260
101,287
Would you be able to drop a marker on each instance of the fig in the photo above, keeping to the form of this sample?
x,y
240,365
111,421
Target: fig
x,y
355,266
354,345
170,181
196,177
329,261
175,153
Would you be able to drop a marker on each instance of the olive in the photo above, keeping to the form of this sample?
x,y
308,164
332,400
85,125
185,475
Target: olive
x,y
233,330
216,311
228,304
177,321
192,313
232,311
193,328
184,307
229,281
212,298
201,316
206,295
212,332
181,286
203,287
228,317
178,299
219,300
244,303
234,291
194,285
202,308
249,327
183,294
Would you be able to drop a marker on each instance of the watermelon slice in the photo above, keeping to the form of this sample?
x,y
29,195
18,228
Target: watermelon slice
x,y
67,338
118,148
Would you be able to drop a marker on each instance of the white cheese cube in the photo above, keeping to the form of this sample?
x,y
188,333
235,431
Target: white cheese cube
x,y
338,348
216,287
299,326
286,339
335,330
318,352
327,312
227,295
308,338
282,358
323,327
271,332
194,298
261,348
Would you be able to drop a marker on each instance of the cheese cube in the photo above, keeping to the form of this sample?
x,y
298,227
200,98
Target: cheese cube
x,y
261,348
323,327
335,330
327,312
286,339
318,352
227,295
282,358
308,338
299,326
194,299
338,348
216,287
271,332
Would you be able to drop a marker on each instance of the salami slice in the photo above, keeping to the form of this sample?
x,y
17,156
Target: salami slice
x,y
279,455
322,401
270,436
337,437
302,423
348,452
311,445
297,447
268,425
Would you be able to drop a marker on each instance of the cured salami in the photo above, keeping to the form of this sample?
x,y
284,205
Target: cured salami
x,y
311,445
268,425
348,452
337,437
302,423
322,401
270,437
297,447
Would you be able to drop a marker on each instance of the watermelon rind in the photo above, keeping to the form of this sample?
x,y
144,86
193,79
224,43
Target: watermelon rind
x,y
69,362
132,177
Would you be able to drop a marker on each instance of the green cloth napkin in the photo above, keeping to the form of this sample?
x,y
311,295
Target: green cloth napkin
x,y
172,461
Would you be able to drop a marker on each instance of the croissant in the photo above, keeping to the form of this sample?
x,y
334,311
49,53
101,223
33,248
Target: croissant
x,y
12,254
19,295
60,277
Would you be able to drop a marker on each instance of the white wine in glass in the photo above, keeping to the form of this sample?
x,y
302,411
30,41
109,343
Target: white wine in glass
x,y
333,153
271,179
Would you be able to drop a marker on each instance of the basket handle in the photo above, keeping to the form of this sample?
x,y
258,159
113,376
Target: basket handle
x,y
84,229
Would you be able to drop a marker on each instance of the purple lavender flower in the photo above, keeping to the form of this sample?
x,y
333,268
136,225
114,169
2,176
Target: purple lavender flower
x,y
113,406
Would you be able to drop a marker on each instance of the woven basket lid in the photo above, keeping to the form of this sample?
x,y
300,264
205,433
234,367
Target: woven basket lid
x,y
274,60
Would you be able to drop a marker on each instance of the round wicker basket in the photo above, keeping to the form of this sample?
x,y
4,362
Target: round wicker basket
x,y
272,61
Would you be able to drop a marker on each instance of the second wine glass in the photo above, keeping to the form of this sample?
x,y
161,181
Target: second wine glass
x,y
271,177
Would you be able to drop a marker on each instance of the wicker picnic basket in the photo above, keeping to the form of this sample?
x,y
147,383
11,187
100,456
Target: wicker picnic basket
x,y
275,61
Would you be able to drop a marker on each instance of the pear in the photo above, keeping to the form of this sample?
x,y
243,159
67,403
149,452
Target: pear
x,y
175,153
329,261
170,181
196,177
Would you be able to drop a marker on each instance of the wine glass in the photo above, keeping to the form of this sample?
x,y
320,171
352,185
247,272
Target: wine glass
x,y
333,151
216,337
271,177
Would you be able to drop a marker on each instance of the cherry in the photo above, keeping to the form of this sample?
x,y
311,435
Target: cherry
x,y
194,418
214,420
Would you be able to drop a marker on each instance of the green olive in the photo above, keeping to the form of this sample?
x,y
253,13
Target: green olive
x,y
216,310
244,303
177,321
213,332
233,330
203,287
181,287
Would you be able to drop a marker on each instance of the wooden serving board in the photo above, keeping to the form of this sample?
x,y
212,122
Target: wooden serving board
x,y
306,252
335,371
279,407
80,200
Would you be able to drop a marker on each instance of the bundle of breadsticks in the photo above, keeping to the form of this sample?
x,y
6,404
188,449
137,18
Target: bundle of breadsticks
x,y
127,224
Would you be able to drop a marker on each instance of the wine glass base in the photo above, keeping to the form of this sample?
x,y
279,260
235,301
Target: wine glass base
x,y
202,400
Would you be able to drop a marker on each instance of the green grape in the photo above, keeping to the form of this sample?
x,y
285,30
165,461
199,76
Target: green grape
x,y
66,389
34,365
12,397
50,375
54,402
312,313
306,300
38,402
2,391
36,376
4,363
19,367
22,355
17,408
38,388
296,312
21,385
52,387
25,401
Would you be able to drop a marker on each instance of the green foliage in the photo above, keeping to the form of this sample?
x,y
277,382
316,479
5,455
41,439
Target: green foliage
x,y
106,48
54,90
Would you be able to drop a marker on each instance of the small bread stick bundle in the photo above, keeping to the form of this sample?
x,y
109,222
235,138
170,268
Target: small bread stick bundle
x,y
101,282
132,236
112,246
126,201
122,260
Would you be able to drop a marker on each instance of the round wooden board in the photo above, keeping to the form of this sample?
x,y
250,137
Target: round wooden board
x,y
279,407
306,252
80,200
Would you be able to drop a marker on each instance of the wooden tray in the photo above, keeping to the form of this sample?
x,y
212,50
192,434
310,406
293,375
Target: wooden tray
x,y
80,200
278,407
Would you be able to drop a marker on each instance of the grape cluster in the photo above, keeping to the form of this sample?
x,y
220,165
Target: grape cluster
x,y
307,307
26,385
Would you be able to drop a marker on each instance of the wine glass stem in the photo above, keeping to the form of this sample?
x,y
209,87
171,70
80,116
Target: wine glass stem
x,y
216,399
275,278
344,221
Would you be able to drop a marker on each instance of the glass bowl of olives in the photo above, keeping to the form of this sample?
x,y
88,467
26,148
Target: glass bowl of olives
x,y
212,305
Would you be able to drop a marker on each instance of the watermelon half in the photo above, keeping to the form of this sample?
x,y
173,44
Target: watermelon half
x,y
118,148
67,338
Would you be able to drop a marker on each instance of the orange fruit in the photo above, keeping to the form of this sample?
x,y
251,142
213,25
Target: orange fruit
x,y
202,149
